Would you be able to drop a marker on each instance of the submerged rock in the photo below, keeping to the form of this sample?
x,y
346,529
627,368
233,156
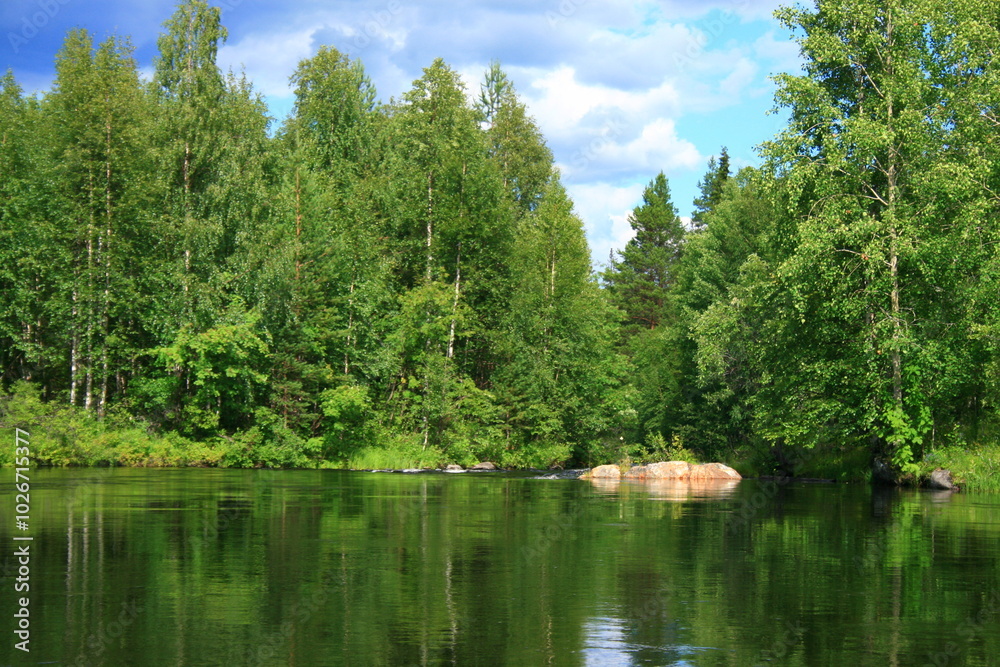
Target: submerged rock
x,y
941,479
573,473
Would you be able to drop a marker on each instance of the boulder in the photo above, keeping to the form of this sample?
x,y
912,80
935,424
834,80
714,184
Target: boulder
x,y
635,472
454,467
668,470
941,479
682,471
606,472
484,465
662,470
713,471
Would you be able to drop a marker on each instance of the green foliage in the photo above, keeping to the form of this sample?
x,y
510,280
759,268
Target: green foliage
x,y
658,449
406,284
215,376
640,278
974,467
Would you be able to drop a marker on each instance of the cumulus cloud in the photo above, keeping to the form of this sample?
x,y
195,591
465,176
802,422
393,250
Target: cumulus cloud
x,y
601,133
604,209
269,59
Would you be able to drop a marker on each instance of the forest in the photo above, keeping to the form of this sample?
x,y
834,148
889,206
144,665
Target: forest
x,y
400,284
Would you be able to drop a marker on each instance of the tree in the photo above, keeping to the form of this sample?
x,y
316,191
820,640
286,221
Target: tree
x,y
515,141
190,91
26,243
641,277
711,188
333,305
215,185
882,153
556,385
100,117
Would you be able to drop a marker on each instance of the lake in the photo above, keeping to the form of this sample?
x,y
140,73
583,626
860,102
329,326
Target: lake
x,y
239,567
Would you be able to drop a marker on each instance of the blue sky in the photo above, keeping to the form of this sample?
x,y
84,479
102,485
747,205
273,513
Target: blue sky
x,y
621,90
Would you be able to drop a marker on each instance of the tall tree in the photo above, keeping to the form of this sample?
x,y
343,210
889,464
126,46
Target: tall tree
x,y
99,113
710,188
27,245
882,152
190,90
555,387
212,141
449,211
334,304
645,269
515,141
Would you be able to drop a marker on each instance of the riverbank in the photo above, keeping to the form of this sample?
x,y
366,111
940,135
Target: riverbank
x,y
62,437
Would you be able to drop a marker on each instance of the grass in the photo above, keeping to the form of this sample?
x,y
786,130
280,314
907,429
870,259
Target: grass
x,y
973,468
400,453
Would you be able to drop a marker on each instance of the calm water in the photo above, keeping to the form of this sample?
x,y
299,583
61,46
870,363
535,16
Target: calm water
x,y
227,567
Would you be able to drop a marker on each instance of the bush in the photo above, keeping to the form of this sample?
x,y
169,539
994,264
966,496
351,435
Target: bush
x,y
658,449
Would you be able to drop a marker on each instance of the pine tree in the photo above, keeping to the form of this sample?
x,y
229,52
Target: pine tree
x,y
711,187
641,276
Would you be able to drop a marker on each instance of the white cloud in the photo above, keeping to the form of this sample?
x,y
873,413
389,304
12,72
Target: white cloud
x,y
269,59
656,147
781,53
742,76
604,209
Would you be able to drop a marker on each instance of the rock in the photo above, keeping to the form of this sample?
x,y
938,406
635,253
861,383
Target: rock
x,y
606,472
635,472
573,473
454,467
484,465
941,479
682,471
707,471
883,474
662,470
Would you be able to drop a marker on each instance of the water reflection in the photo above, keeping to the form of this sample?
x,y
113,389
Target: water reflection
x,y
671,490
317,568
612,641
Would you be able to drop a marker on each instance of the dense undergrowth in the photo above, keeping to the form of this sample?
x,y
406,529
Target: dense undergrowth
x,y
61,435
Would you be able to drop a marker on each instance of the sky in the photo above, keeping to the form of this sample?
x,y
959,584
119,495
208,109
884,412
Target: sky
x,y
620,90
